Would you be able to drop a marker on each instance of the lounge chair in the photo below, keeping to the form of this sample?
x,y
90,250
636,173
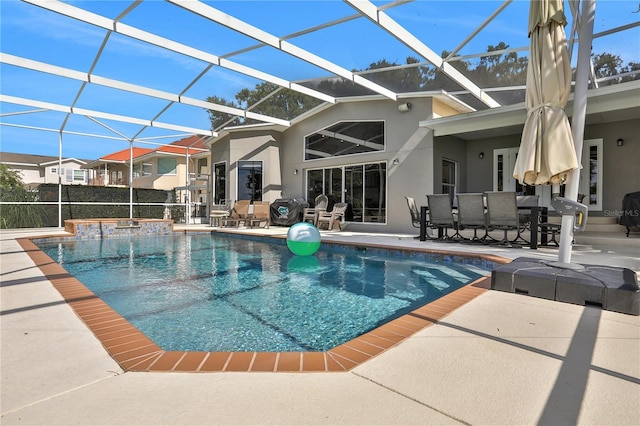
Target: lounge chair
x,y
310,214
441,216
334,217
472,215
261,215
239,214
502,214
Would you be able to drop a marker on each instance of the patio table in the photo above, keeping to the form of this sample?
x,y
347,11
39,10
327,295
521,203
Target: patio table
x,y
537,214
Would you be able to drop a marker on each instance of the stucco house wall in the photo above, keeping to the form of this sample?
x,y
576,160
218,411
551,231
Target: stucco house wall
x,y
620,171
250,145
405,141
621,168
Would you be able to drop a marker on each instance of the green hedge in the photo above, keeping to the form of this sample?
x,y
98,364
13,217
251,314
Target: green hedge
x,y
48,214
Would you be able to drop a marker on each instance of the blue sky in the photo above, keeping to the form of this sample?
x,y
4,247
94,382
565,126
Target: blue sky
x,y
38,34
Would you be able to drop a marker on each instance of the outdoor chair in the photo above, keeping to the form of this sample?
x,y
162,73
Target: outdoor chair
x,y
334,217
525,218
218,212
310,214
441,216
415,215
472,215
413,210
261,215
502,214
239,214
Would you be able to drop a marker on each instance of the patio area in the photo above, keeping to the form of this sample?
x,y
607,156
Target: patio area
x,y
501,358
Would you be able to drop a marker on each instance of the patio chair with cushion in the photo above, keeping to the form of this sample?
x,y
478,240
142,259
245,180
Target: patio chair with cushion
x,y
441,216
502,214
261,215
472,215
310,214
239,214
334,217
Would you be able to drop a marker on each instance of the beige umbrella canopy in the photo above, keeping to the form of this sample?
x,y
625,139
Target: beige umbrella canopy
x,y
547,153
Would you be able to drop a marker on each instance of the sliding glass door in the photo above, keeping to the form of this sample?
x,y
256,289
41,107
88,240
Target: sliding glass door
x,y
362,186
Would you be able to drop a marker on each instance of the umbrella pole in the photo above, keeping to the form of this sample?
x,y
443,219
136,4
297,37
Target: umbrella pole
x,y
577,122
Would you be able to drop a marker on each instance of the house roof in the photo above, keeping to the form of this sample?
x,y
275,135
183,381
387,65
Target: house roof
x,y
195,144
17,159
606,104
125,154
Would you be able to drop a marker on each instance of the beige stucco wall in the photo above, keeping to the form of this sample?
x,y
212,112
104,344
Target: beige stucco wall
x,y
250,145
165,182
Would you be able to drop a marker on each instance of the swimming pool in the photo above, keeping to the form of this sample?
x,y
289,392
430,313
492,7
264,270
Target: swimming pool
x,y
199,292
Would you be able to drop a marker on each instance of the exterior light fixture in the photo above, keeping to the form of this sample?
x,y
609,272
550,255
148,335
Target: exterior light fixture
x,y
620,142
295,171
481,155
396,161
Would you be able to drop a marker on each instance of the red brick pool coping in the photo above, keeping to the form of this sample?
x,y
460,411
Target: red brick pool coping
x,y
134,351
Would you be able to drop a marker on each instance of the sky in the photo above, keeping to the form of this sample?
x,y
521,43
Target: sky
x,y
35,33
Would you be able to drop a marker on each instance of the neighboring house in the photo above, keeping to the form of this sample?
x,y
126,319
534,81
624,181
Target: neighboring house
x,y
371,152
182,165
113,169
37,169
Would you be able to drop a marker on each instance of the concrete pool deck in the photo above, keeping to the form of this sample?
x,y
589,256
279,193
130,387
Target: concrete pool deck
x,y
499,359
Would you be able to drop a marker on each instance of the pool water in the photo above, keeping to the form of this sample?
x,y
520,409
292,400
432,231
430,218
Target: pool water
x,y
205,292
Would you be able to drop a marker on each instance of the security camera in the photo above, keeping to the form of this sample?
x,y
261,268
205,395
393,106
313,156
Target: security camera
x,y
404,107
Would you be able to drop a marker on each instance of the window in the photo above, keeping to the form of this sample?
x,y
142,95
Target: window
x,y
250,180
167,166
79,176
449,178
219,186
142,169
363,186
591,174
69,175
345,138
202,166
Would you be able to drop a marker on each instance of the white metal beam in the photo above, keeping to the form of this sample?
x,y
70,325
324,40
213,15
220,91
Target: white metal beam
x,y
104,115
249,30
133,32
133,88
384,21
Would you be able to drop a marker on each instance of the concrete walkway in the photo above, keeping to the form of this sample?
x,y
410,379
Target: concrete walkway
x,y
501,359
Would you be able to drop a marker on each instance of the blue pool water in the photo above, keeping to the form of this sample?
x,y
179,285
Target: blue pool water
x,y
220,293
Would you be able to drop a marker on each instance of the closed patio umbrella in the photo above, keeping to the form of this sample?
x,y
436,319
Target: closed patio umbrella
x,y
547,153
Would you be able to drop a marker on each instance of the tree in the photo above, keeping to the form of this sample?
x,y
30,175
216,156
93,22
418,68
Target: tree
x,y
220,119
499,70
9,178
17,215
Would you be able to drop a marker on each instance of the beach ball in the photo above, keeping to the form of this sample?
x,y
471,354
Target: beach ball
x,y
303,239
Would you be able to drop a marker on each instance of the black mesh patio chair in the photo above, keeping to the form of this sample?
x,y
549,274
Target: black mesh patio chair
x,y
472,215
502,214
415,216
441,216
